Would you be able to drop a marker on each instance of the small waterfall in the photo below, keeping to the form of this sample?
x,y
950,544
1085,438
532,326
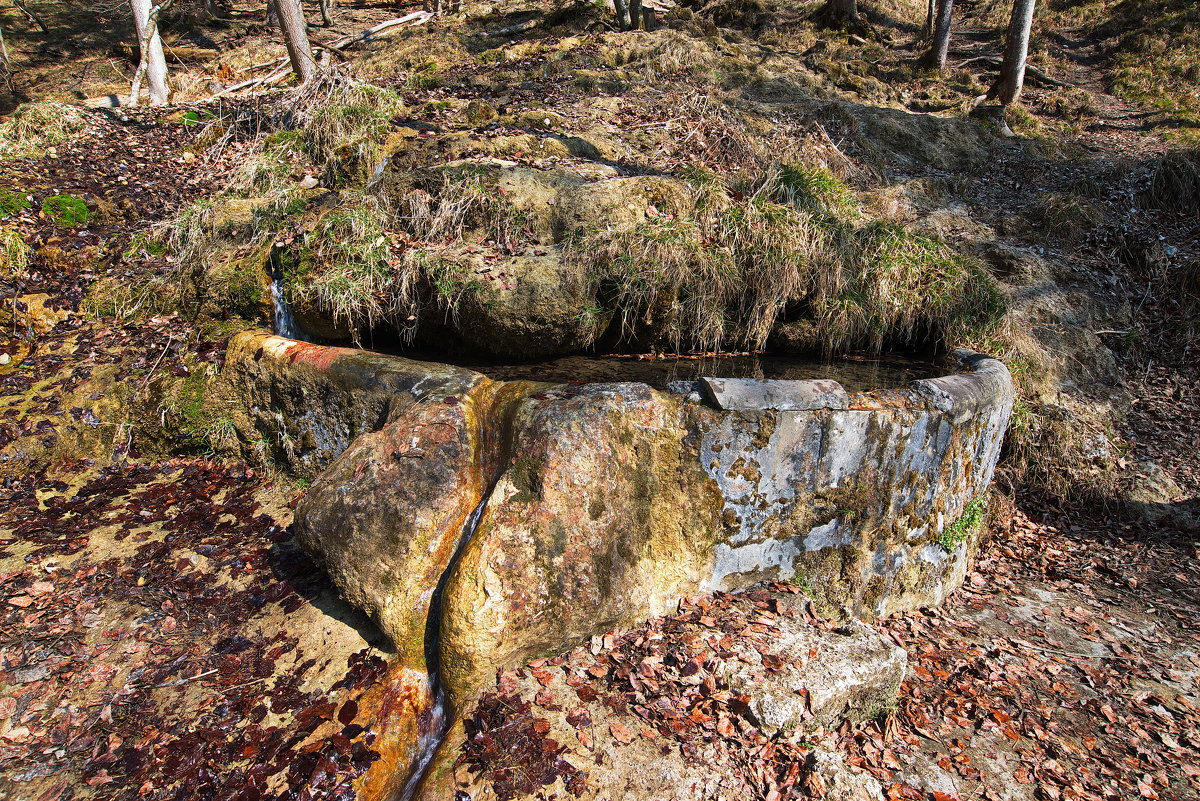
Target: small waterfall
x,y
439,720
285,323
377,173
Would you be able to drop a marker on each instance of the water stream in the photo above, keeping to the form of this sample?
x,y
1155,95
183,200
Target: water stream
x,y
439,718
285,322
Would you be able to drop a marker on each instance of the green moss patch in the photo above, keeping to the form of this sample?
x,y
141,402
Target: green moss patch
x,y
66,210
965,526
12,202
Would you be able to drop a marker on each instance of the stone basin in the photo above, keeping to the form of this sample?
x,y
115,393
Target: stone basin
x,y
600,505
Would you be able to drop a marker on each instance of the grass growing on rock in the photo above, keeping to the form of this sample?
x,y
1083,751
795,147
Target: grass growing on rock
x,y
967,524
345,268
723,275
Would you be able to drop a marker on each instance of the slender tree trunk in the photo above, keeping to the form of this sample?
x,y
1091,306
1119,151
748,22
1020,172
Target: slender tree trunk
x,y
295,36
326,16
272,20
152,63
635,14
930,13
936,57
1016,53
622,12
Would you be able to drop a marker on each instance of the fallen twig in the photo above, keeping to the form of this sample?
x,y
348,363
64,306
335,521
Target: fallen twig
x,y
337,46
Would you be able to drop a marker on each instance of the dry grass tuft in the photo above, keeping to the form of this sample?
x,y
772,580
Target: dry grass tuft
x,y
14,254
36,126
722,276
1175,187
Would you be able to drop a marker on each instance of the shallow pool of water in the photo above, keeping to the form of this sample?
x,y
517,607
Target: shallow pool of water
x,y
856,375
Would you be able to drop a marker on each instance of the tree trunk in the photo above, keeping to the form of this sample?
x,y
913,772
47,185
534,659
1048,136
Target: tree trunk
x,y
936,57
295,36
152,63
1016,53
326,17
622,12
841,13
930,13
635,14
272,20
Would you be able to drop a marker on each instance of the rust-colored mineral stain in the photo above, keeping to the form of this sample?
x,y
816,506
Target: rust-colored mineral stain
x,y
320,357
396,705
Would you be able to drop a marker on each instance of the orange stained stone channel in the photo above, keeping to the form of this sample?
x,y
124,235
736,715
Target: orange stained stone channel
x,y
398,707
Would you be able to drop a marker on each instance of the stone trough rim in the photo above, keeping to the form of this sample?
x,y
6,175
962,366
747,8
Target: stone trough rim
x,y
980,379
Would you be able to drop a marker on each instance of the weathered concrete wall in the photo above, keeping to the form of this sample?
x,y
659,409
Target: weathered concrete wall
x,y
607,502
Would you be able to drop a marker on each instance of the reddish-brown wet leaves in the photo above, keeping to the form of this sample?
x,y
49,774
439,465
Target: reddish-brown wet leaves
x,y
508,747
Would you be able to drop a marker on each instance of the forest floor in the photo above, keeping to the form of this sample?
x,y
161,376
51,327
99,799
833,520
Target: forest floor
x,y
161,636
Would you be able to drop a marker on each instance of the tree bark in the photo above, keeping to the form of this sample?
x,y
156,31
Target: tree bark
x,y
152,62
295,36
621,9
841,13
272,19
1016,54
940,46
930,14
326,15
635,14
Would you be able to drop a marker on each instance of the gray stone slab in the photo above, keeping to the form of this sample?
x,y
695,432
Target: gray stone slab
x,y
756,394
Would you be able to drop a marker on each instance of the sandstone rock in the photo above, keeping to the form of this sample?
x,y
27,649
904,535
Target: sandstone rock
x,y
620,499
306,403
544,305
32,312
387,516
611,501
840,781
479,112
537,312
595,523
1154,495
847,673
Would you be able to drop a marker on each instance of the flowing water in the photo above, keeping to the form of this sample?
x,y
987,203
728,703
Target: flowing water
x,y
439,718
285,322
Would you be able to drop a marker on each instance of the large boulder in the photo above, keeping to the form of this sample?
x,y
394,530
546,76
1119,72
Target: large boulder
x,y
619,499
583,507
506,284
598,521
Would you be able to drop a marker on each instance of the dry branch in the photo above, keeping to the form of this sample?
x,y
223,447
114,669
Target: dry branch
x,y
336,46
